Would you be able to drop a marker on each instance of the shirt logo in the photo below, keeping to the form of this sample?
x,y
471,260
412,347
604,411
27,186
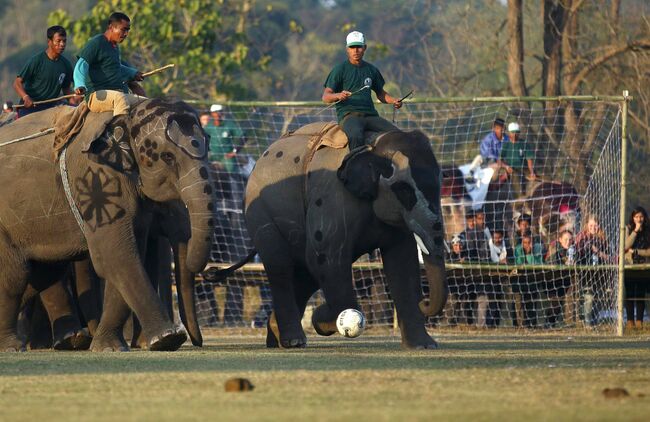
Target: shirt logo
x,y
367,82
61,78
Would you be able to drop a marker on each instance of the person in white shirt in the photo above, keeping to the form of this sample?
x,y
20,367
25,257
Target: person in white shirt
x,y
498,250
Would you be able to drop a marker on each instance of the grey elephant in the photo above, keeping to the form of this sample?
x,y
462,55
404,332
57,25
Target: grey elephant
x,y
309,224
91,202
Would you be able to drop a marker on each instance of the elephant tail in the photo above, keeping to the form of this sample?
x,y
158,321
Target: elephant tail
x,y
217,275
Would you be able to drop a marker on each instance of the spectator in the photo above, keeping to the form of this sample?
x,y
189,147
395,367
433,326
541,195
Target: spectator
x,y
591,244
528,252
517,155
348,86
560,252
45,75
637,251
526,284
493,142
458,254
498,250
476,236
591,249
100,74
458,303
226,139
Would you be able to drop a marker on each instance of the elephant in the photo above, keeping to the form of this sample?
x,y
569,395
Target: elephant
x,y
92,202
310,222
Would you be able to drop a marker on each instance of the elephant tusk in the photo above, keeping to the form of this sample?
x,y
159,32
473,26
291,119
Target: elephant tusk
x,y
420,243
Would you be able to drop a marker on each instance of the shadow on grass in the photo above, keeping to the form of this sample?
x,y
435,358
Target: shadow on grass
x,y
377,354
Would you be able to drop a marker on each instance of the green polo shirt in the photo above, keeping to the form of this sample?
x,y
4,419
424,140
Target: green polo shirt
x,y
104,65
348,77
44,78
516,154
222,141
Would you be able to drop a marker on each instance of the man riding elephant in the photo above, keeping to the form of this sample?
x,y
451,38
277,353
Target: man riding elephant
x,y
100,74
349,84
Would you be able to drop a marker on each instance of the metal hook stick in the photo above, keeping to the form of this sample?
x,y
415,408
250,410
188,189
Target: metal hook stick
x,y
399,101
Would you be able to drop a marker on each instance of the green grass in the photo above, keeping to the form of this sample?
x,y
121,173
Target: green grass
x,y
371,378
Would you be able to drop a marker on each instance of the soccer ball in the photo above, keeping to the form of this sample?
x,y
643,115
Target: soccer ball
x,y
351,323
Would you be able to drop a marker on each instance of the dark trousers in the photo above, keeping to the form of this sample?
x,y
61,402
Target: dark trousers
x,y
354,124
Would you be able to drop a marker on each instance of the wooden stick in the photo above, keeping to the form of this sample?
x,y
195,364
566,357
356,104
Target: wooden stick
x,y
51,100
160,69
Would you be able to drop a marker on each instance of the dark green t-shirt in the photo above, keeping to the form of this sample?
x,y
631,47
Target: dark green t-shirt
x,y
516,154
44,78
222,141
348,77
104,65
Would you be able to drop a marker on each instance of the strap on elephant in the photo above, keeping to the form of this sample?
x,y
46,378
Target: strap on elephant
x,y
66,188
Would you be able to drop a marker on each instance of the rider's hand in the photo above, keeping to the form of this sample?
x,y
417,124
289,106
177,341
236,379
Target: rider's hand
x,y
80,90
397,104
27,101
343,95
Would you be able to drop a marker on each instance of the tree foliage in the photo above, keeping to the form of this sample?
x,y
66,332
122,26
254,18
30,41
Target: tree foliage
x,y
206,39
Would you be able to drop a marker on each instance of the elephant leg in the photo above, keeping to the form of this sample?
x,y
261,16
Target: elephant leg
x,y
336,282
109,335
304,287
162,260
67,333
402,271
121,267
279,266
13,282
88,289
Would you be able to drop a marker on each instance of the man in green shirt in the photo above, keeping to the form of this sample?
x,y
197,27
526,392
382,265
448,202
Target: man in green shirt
x,y
45,75
100,74
349,84
226,138
517,156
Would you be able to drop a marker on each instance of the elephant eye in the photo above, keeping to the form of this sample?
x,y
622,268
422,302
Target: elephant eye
x,y
167,157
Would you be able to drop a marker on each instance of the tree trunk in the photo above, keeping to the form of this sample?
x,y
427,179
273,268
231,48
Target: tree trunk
x,y
516,49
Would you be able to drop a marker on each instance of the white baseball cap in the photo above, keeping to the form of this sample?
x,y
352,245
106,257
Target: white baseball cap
x,y
215,107
355,39
513,127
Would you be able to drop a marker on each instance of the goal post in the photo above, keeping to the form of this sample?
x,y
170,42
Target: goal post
x,y
577,147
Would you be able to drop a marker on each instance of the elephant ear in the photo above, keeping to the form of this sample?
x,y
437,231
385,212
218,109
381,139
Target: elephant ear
x,y
112,147
360,172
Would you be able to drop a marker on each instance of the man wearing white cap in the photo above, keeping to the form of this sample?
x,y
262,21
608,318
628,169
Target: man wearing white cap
x,y
226,137
349,85
516,156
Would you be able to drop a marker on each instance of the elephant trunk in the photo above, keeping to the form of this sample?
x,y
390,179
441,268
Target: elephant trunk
x,y
185,280
199,199
438,290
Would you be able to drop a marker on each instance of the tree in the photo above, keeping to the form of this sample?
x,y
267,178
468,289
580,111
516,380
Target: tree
x,y
206,39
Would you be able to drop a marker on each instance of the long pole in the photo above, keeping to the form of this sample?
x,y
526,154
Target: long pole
x,y
621,243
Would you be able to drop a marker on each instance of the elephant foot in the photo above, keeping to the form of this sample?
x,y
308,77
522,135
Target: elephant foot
x,y
82,340
325,328
12,344
169,340
108,343
420,342
289,341
294,343
322,321
272,332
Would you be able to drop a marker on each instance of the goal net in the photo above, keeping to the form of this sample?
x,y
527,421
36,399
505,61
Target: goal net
x,y
531,242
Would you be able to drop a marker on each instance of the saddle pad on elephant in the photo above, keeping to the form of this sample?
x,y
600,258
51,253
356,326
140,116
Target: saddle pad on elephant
x,y
78,123
322,134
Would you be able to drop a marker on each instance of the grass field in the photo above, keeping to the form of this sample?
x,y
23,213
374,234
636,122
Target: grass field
x,y
370,378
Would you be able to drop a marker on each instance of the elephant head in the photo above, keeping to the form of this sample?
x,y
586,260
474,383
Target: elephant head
x,y
401,176
164,145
